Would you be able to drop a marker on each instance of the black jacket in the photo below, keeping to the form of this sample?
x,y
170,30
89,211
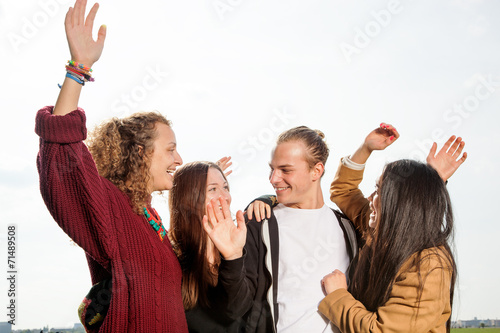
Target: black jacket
x,y
260,272
223,315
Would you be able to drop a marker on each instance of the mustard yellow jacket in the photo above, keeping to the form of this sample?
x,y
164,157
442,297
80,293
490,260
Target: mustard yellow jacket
x,y
399,313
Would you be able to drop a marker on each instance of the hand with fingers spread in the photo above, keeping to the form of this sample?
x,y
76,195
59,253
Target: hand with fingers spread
x,y
333,281
378,139
260,209
448,159
226,236
84,50
82,46
224,163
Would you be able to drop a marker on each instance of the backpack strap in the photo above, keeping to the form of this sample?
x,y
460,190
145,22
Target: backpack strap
x,y
351,238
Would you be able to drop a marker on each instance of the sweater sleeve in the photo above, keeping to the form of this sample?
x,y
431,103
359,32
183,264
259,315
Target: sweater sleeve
x,y
345,193
240,277
401,312
70,185
232,277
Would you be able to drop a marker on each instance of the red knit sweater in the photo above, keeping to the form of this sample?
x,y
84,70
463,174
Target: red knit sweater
x,y
146,294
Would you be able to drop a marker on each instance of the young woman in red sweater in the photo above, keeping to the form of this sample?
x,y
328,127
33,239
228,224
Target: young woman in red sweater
x,y
101,196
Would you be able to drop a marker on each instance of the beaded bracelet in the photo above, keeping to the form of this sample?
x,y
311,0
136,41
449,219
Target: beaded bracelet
x,y
73,63
79,70
86,71
78,73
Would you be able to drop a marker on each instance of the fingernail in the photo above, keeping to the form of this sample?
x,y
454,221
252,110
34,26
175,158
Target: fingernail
x,y
391,138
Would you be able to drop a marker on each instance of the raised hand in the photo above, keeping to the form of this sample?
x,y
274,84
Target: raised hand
x,y
82,46
381,137
448,159
334,281
378,139
224,163
226,236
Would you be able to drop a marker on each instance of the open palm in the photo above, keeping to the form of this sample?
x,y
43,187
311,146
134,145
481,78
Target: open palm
x,y
226,236
82,46
448,159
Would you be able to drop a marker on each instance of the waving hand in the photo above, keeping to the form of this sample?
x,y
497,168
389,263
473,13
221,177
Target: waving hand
x,y
226,236
82,46
448,159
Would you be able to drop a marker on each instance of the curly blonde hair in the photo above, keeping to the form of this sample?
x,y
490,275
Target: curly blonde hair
x,y
121,149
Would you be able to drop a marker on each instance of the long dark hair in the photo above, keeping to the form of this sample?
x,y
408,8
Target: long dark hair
x,y
188,238
415,214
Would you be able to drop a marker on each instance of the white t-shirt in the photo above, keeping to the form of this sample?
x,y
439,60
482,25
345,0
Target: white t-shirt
x,y
311,245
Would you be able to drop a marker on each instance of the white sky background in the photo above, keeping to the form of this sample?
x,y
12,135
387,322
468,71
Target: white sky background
x,y
231,81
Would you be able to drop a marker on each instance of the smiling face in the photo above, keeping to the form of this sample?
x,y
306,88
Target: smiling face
x,y
164,159
217,186
293,180
375,205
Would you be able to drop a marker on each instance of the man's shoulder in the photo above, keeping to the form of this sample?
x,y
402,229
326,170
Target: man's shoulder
x,y
254,226
269,199
338,213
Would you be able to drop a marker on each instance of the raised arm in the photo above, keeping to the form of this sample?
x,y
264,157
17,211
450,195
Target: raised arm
x,y
344,190
378,139
83,49
74,193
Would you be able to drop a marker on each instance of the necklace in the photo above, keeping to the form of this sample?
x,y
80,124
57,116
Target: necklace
x,y
155,223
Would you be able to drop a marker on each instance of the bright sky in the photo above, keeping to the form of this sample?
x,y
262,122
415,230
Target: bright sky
x,y
231,75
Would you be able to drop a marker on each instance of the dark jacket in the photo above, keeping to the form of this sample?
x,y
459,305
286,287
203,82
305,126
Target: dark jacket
x,y
261,270
220,316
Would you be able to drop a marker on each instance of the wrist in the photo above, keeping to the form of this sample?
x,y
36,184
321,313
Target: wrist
x,y
361,155
445,177
85,62
234,256
365,148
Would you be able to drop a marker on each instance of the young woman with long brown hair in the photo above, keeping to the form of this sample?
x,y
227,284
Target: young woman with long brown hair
x,y
209,246
405,277
101,196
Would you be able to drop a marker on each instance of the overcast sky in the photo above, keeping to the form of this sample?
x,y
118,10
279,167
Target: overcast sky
x,y
233,74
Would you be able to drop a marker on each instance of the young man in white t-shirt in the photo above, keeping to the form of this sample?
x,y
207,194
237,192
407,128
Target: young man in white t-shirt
x,y
289,253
